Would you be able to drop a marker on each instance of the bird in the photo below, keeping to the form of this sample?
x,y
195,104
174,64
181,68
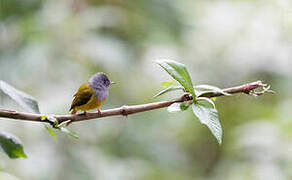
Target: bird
x,y
92,94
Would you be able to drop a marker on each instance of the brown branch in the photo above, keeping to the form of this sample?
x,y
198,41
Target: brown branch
x,y
127,110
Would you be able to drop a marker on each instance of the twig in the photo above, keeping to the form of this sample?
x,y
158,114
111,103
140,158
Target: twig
x,y
127,110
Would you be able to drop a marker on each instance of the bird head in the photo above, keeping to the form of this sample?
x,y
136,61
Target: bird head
x,y
100,79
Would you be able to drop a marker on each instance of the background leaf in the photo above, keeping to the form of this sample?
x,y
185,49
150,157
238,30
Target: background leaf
x,y
21,98
179,72
7,176
208,115
11,145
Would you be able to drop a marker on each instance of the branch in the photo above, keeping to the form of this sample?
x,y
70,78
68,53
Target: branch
x,y
127,110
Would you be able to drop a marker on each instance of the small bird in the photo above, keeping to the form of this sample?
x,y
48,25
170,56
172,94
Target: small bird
x,y
92,94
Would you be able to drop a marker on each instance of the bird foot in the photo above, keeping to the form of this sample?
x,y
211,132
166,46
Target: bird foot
x,y
98,111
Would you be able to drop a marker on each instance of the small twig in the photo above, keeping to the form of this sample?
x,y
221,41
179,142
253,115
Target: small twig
x,y
127,110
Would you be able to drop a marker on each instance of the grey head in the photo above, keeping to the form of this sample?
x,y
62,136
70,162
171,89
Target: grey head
x,y
100,83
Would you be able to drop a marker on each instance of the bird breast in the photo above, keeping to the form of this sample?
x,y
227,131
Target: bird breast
x,y
100,91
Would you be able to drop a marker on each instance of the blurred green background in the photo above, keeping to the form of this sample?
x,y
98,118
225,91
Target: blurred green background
x,y
48,48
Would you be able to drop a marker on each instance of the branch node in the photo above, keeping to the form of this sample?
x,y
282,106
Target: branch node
x,y
123,110
246,88
187,97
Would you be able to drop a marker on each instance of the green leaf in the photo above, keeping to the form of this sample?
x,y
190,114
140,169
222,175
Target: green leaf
x,y
51,131
184,106
177,107
43,118
168,83
69,132
21,98
169,89
179,72
208,115
207,89
11,145
202,99
63,124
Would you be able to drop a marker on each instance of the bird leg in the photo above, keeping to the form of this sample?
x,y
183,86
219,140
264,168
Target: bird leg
x,y
98,111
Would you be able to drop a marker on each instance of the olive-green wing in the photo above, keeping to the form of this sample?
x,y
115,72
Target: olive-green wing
x,y
82,96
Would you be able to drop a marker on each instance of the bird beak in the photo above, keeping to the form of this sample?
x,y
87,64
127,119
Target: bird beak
x,y
113,83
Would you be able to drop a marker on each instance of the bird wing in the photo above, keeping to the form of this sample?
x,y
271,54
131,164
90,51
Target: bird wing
x,y
82,96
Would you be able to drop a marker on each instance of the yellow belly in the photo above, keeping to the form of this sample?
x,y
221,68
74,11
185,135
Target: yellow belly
x,y
93,103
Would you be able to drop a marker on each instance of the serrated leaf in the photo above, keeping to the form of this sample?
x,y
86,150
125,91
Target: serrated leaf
x,y
21,98
184,106
208,100
51,131
208,115
179,72
207,89
169,89
11,145
175,107
69,132
168,83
